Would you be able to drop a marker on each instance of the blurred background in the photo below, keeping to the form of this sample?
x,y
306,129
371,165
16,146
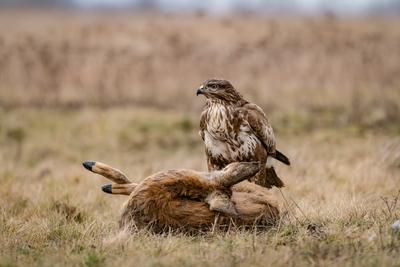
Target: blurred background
x,y
115,81
338,58
360,7
310,64
295,56
99,77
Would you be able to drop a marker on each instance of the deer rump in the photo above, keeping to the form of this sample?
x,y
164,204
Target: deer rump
x,y
190,201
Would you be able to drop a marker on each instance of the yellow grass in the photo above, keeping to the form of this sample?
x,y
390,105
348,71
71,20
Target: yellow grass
x,y
122,91
53,211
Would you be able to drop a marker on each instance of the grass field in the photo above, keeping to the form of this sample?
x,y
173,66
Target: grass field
x,y
122,91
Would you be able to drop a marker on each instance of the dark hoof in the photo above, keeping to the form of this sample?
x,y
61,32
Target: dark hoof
x,y
88,165
107,188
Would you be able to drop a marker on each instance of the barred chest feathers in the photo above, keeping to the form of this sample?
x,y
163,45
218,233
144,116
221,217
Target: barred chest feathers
x,y
227,136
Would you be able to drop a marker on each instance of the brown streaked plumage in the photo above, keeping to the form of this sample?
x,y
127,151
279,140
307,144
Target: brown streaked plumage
x,y
190,201
235,130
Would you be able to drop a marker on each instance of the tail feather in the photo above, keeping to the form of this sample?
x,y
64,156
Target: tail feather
x,y
282,158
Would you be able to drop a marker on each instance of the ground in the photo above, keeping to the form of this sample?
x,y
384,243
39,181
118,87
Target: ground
x,y
340,197
335,108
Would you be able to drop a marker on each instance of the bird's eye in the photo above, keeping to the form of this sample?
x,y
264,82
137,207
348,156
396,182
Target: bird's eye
x,y
213,86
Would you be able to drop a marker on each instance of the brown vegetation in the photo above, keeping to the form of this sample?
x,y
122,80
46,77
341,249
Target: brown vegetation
x,y
344,182
329,86
345,68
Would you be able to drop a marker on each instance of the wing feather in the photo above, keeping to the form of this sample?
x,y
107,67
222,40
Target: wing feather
x,y
260,126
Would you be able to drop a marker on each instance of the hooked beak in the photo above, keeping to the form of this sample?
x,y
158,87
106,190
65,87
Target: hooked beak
x,y
200,90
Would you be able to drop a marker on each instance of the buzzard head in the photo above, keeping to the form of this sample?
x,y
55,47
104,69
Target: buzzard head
x,y
219,90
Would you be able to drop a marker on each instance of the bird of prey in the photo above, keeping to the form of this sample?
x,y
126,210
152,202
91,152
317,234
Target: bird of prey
x,y
235,130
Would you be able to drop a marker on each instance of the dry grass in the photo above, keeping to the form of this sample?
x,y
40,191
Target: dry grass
x,y
330,88
70,59
53,211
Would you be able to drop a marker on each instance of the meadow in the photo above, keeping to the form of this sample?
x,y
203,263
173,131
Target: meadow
x,y
120,89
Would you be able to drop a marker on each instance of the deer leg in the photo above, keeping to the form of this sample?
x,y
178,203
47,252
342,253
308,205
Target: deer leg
x,y
221,202
106,171
236,172
232,174
119,189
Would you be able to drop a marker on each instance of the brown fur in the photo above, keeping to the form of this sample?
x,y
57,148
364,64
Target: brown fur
x,y
123,189
180,200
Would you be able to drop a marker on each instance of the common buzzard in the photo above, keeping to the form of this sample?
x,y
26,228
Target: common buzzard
x,y
235,130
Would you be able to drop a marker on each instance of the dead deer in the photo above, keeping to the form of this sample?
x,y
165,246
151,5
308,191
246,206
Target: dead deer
x,y
190,201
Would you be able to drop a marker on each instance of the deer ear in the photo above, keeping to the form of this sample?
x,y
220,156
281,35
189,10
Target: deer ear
x,y
221,202
236,172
